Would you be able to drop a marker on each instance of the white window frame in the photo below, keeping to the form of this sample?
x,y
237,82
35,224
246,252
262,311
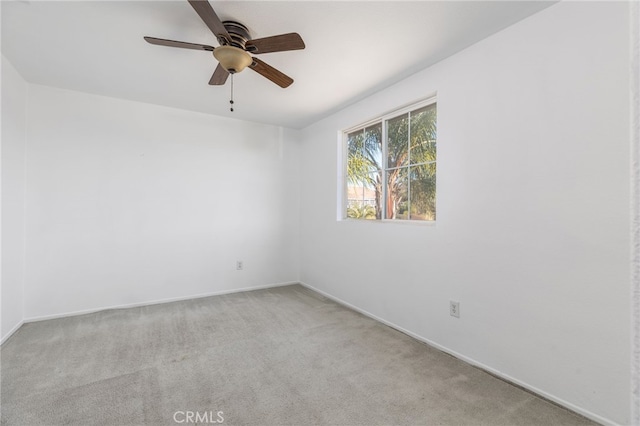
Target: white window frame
x,y
342,178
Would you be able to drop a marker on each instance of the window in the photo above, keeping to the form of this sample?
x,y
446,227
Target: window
x,y
391,166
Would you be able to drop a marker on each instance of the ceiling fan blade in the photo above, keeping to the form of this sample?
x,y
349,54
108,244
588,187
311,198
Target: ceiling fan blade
x,y
271,73
279,43
182,44
219,76
208,15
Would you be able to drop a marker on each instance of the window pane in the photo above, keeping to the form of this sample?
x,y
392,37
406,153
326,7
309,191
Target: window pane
x,y
363,197
373,193
372,147
355,192
356,164
423,135
397,201
355,198
398,141
423,192
354,142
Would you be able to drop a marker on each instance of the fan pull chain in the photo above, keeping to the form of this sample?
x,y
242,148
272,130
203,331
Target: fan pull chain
x,y
231,100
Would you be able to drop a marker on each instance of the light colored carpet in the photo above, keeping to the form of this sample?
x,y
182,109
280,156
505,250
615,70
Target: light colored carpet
x,y
282,356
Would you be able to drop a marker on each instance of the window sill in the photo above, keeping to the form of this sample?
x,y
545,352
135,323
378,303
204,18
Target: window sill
x,y
391,221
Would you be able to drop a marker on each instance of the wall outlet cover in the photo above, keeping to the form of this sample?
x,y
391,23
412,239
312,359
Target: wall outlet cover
x,y
454,309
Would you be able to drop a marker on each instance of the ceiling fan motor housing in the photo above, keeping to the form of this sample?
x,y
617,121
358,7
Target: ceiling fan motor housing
x,y
238,32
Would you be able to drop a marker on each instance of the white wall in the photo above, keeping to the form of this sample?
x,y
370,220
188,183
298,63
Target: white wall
x,y
532,236
14,110
132,203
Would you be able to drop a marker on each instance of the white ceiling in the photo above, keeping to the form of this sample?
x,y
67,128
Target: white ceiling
x,y
353,49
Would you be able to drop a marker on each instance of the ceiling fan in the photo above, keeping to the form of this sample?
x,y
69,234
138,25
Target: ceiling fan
x,y
236,47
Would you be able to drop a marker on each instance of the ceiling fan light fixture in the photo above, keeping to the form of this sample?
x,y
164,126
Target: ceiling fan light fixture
x,y
232,59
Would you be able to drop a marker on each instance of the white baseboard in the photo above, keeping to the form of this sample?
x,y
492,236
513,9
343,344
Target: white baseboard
x,y
10,333
468,360
156,302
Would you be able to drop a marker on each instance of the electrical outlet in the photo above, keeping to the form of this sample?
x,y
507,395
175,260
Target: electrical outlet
x,y
239,265
454,309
